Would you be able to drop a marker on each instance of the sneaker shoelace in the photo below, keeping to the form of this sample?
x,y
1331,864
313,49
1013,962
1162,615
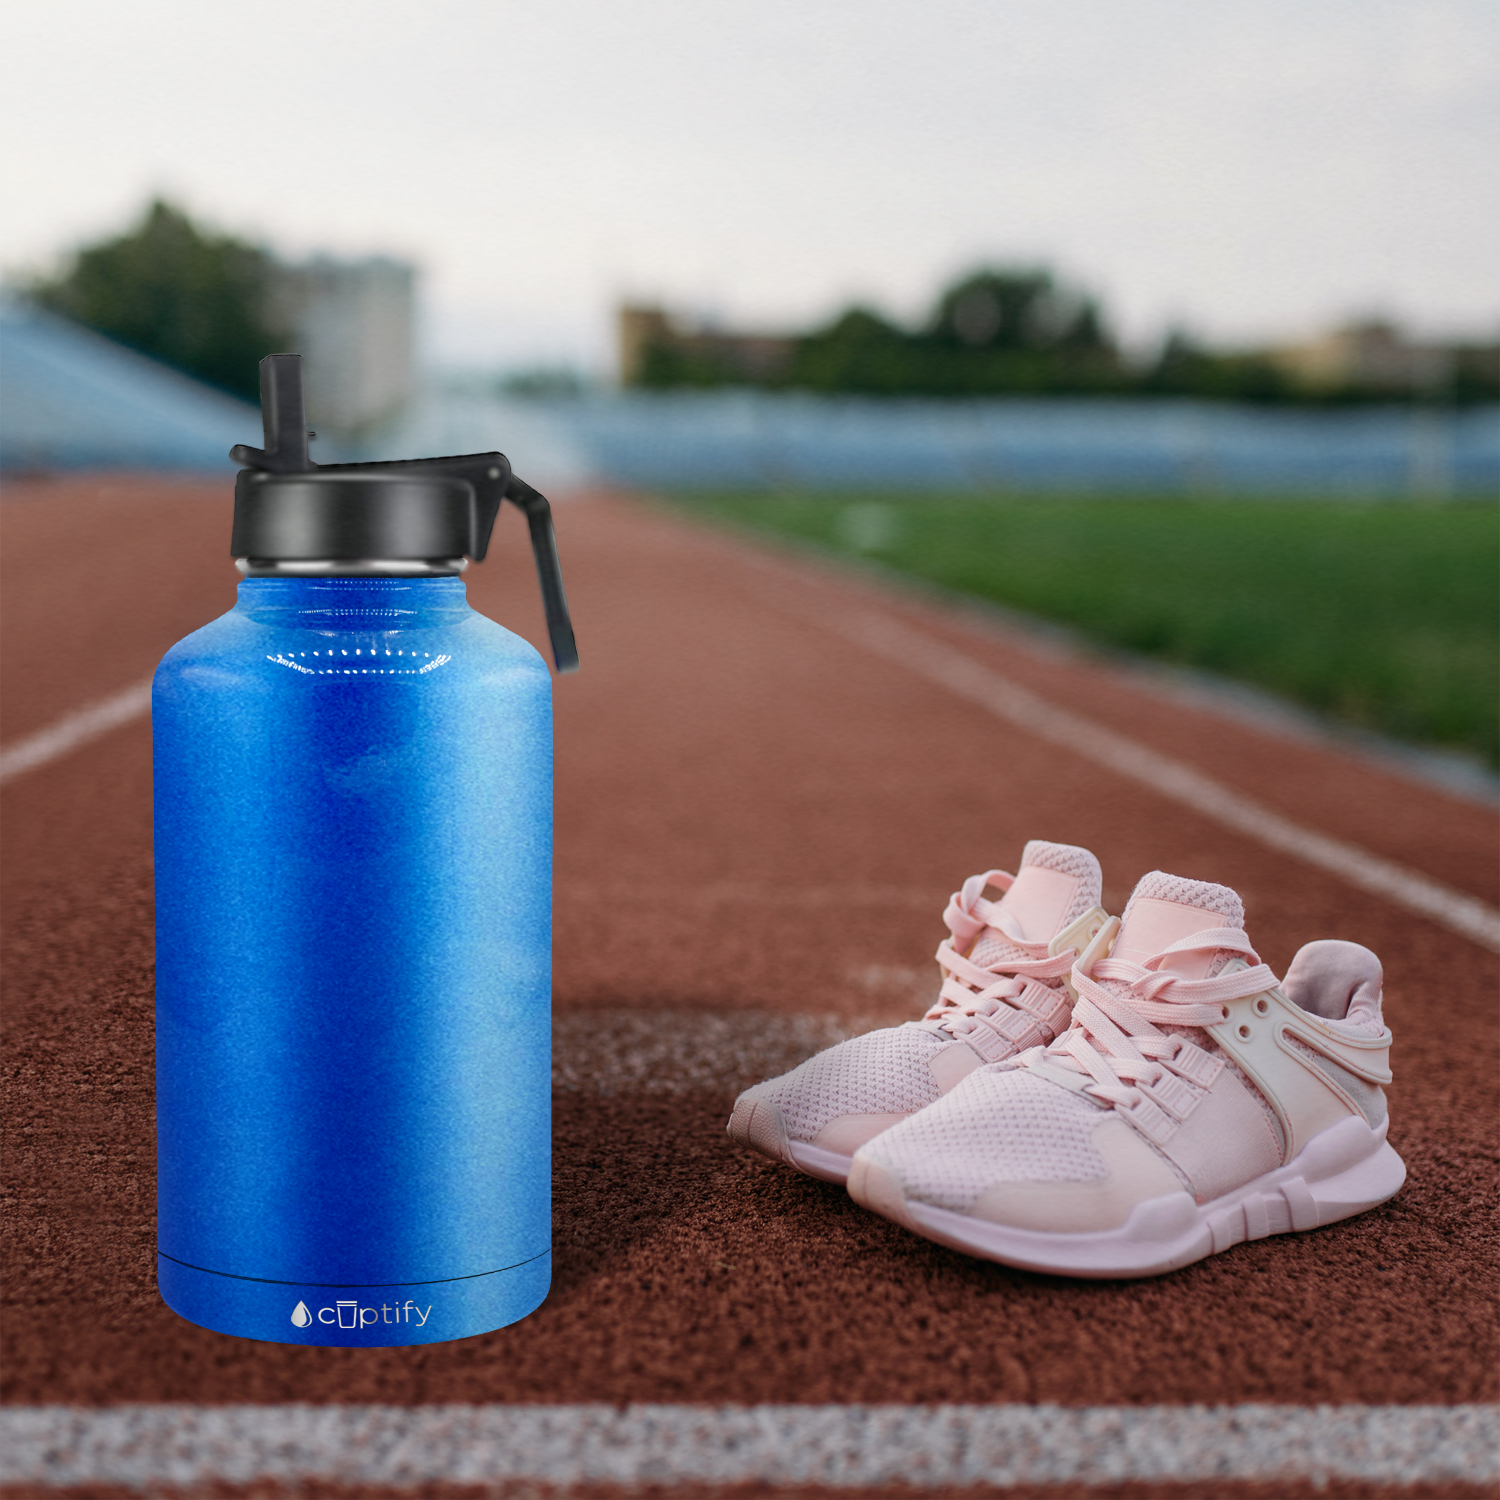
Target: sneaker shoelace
x,y
1007,1005
1154,1077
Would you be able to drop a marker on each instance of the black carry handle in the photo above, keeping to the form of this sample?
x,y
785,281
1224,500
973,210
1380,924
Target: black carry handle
x,y
548,571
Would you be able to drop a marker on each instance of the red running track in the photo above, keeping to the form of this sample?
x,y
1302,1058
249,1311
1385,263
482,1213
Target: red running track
x,y
758,819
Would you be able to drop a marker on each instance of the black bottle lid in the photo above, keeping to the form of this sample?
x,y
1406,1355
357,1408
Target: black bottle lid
x,y
418,515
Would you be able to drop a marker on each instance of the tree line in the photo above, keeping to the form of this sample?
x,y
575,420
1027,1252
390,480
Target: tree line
x,y
1018,331
206,304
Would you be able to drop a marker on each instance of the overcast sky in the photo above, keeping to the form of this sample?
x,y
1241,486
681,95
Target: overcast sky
x,y
1250,168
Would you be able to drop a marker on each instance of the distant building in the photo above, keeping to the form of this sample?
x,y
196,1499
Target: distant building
x,y
637,330
655,350
354,324
1375,355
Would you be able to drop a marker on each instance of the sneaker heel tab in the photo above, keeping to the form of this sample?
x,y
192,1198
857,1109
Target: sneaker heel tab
x,y
1336,980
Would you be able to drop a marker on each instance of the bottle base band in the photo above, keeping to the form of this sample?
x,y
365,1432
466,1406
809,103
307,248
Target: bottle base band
x,y
354,1317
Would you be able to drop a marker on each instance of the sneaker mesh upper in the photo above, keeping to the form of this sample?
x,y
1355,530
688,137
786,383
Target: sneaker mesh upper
x,y
999,1125
990,948
887,1071
881,1072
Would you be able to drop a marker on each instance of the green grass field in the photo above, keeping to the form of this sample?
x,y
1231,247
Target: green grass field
x,y
1384,615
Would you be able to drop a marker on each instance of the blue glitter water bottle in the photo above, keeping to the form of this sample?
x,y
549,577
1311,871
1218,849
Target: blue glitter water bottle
x,y
353,776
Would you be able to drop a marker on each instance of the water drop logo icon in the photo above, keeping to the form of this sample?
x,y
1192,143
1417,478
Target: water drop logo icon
x,y
300,1315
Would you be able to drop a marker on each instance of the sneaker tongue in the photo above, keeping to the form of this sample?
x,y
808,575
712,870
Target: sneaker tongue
x,y
1056,884
1164,909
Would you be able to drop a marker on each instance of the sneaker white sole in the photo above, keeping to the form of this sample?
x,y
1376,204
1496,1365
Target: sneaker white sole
x,y
760,1126
1342,1172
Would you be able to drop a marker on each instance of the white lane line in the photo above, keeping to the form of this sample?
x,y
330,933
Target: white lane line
x,y
938,662
832,1446
75,729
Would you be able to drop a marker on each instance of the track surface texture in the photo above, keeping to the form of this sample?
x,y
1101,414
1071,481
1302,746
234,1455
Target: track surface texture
x,y
758,824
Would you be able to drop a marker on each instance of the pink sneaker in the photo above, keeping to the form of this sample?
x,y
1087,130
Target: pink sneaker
x,y
1004,989
1193,1103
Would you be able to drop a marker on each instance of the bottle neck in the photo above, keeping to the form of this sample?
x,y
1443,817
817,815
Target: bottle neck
x,y
360,567
352,603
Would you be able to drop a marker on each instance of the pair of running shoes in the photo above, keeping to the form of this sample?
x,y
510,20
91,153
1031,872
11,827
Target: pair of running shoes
x,y
1102,1097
